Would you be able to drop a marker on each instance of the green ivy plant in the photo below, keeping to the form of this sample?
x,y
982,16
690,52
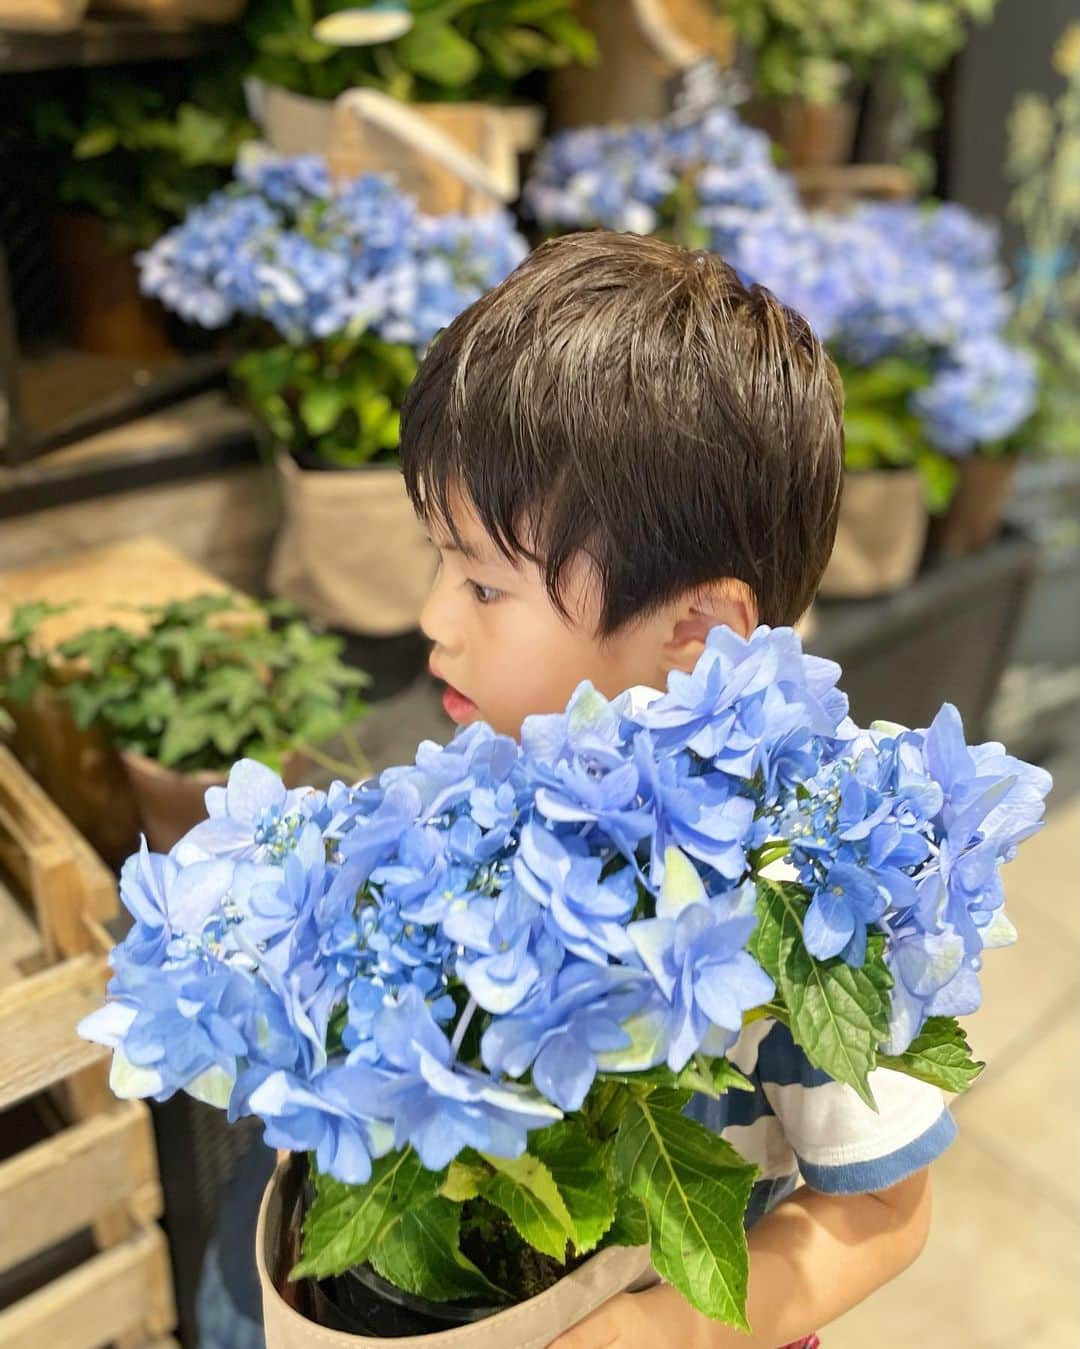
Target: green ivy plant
x,y
455,50
206,681
332,404
881,431
1044,164
629,1167
138,149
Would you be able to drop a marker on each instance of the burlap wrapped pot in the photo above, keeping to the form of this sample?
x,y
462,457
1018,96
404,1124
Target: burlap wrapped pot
x,y
880,536
351,551
529,1325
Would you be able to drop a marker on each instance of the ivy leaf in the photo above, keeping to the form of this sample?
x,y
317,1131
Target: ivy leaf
x,y
526,1192
837,1015
420,1254
578,1167
695,1189
346,1222
939,1054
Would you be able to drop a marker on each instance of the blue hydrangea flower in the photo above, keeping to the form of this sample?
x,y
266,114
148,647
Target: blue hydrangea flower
x,y
253,818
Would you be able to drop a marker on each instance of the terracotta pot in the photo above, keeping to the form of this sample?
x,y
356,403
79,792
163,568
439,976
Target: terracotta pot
x,y
107,314
811,134
176,11
880,536
41,16
973,519
171,803
351,551
530,1325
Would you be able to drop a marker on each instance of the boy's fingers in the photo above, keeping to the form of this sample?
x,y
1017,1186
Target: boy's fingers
x,y
590,1334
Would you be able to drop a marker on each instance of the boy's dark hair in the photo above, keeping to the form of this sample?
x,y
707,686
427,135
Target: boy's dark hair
x,y
623,398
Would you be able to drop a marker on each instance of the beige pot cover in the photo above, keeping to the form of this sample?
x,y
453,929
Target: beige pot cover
x,y
351,551
880,535
531,1325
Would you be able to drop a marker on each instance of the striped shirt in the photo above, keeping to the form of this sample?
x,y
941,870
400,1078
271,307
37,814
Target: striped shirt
x,y
799,1121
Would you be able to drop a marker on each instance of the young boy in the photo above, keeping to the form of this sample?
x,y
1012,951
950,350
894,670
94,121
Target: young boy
x,y
615,450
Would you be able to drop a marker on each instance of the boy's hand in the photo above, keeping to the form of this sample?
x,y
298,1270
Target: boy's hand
x,y
651,1320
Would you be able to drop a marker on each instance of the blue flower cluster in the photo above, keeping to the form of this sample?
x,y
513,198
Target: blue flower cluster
x,y
622,177
315,258
901,279
448,956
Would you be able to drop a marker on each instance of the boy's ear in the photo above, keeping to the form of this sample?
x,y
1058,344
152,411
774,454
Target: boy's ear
x,y
699,611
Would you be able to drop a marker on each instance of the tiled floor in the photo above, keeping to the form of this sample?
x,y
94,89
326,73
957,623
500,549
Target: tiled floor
x,y
1002,1267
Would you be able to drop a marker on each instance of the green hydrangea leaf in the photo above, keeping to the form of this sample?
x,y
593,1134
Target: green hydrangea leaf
x,y
695,1189
419,1253
346,1222
837,1014
578,1167
631,1225
526,1192
939,1054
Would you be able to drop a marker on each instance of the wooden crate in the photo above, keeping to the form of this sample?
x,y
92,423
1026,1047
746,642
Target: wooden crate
x,y
98,1168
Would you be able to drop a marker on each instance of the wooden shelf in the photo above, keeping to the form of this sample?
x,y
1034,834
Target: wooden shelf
x,y
103,42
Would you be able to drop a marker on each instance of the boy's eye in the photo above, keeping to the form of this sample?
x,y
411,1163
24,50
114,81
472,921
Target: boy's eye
x,y
484,594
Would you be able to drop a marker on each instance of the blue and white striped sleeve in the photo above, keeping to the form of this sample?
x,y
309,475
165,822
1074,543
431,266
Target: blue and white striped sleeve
x,y
843,1146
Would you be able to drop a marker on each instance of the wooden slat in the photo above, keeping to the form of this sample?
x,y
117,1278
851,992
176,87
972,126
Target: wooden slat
x,y
21,947
62,1185
124,1289
38,1016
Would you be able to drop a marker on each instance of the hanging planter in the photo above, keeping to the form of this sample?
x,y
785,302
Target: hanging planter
x,y
973,519
351,551
288,1308
880,535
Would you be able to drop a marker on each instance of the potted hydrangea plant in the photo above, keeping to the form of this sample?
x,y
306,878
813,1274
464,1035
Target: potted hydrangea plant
x,y
179,696
347,283
480,992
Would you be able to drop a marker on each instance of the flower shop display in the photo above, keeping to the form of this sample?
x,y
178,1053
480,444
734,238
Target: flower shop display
x,y
353,282
811,62
129,153
480,991
206,679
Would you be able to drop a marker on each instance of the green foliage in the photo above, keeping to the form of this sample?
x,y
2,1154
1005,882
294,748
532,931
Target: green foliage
x,y
576,1166
139,148
694,1188
881,431
939,1054
526,1192
818,51
205,682
455,50
1044,165
836,1013
419,1253
336,403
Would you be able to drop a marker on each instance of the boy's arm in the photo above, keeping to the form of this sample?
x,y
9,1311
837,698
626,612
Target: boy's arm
x,y
812,1258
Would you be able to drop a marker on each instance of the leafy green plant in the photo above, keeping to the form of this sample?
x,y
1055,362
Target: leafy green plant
x,y
333,403
882,431
139,148
455,50
204,682
819,51
1044,164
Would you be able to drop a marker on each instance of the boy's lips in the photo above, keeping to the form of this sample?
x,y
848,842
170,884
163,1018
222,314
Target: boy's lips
x,y
457,706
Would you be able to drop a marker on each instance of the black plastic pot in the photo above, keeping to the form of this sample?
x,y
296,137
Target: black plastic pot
x,y
363,1303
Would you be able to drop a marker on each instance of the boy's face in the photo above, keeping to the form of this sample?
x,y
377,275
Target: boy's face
x,y
505,651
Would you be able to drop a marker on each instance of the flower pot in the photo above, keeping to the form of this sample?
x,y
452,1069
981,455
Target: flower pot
x,y
351,551
453,157
880,535
171,803
177,11
811,135
529,1325
973,519
107,314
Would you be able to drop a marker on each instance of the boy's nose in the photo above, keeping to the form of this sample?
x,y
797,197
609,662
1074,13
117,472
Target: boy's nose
x,y
435,617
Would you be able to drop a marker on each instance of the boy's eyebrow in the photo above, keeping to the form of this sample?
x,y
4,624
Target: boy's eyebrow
x,y
454,546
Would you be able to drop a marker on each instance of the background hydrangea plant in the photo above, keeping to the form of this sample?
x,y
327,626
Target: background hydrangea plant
x,y
490,981
350,277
